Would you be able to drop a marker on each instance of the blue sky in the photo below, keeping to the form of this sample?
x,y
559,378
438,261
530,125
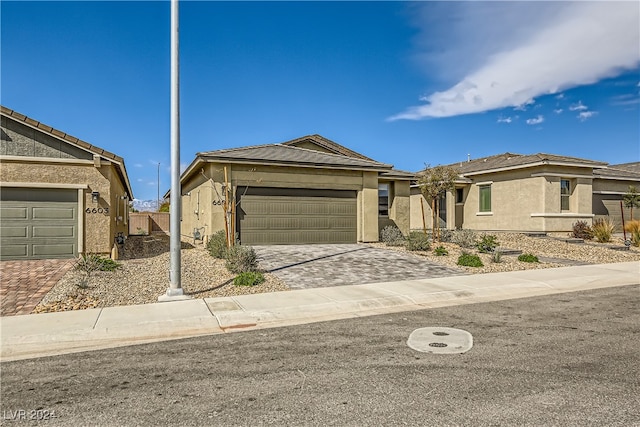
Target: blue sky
x,y
404,83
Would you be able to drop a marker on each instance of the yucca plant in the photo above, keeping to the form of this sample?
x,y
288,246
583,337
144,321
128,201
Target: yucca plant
x,y
602,229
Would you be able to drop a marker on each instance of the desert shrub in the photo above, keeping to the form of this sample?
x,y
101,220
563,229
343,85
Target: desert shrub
x,y
249,278
470,260
417,241
464,238
496,257
440,251
487,243
528,258
603,229
241,259
446,235
217,245
88,263
582,230
392,236
633,227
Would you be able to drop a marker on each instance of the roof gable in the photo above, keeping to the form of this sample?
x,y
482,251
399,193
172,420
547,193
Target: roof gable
x,y
320,143
56,144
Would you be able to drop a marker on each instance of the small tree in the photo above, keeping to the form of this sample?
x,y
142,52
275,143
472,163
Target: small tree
x,y
631,199
164,206
434,183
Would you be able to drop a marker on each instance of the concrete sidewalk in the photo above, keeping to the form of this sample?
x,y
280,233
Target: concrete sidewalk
x,y
46,334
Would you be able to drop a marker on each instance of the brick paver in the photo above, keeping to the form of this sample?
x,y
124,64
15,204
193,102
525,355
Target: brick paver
x,y
315,266
23,284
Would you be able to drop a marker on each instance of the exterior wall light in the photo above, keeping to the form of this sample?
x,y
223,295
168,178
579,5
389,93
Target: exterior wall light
x,y
95,196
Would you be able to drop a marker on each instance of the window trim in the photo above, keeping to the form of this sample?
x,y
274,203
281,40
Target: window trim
x,y
566,196
486,210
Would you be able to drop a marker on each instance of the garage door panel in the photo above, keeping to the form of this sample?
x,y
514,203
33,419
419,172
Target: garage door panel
x,y
13,213
14,251
15,231
63,231
53,250
46,213
270,216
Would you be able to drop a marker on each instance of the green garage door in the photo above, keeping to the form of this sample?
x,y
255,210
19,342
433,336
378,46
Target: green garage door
x,y
38,223
271,216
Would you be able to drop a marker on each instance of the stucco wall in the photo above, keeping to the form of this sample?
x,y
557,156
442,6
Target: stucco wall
x,y
240,176
99,228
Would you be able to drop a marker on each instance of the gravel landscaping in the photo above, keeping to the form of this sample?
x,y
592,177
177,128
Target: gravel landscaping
x,y
143,274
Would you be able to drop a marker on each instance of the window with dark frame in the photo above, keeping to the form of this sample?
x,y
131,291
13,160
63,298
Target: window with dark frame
x,y
565,193
383,199
485,198
459,195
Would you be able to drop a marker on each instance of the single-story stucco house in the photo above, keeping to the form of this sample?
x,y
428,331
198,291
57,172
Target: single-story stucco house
x,y
533,193
61,196
307,190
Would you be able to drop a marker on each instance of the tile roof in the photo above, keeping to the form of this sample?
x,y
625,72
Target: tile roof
x,y
625,170
119,161
328,145
290,155
514,161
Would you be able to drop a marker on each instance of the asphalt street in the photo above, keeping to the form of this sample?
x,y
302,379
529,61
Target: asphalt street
x,y
568,360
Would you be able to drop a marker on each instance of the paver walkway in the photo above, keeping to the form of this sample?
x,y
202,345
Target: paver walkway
x,y
316,266
23,284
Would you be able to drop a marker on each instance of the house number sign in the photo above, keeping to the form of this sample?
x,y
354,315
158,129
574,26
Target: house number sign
x,y
97,210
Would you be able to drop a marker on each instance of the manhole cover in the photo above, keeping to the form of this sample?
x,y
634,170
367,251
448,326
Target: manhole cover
x,y
440,340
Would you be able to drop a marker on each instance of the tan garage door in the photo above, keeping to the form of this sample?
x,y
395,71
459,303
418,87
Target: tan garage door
x,y
271,216
38,223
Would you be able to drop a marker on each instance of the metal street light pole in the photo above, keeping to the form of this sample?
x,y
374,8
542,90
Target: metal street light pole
x,y
175,292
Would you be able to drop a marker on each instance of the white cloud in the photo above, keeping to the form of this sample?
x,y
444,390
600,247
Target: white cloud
x,y
137,165
558,110
584,115
505,119
578,107
535,121
560,96
507,53
625,100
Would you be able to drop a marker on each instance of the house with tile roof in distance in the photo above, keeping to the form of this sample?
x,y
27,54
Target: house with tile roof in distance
x,y
307,190
531,193
61,196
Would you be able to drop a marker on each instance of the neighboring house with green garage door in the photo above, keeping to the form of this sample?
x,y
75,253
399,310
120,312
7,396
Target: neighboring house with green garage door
x,y
60,196
308,190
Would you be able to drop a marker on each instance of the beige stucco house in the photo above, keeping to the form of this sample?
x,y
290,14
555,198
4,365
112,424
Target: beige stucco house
x,y
60,196
533,193
307,190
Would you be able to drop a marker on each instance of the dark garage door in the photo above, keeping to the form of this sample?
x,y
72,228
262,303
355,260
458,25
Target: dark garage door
x,y
272,216
38,223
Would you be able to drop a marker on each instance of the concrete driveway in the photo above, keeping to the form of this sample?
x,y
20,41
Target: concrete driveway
x,y
315,266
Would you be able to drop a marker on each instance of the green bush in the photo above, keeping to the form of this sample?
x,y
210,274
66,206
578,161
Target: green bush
x,y
464,238
470,260
217,245
392,236
487,243
417,241
249,278
89,263
528,258
582,230
440,251
602,230
241,259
